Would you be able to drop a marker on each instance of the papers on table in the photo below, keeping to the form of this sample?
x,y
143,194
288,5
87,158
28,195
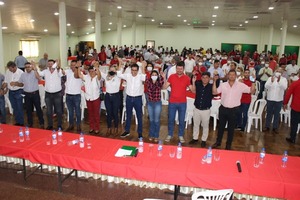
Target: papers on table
x,y
126,151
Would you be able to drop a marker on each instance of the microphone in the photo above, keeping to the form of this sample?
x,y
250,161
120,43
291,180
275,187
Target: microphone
x,y
238,164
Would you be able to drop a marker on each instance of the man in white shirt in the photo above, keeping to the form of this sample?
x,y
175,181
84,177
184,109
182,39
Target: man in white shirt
x,y
12,76
73,96
215,69
292,68
134,92
52,76
189,64
276,86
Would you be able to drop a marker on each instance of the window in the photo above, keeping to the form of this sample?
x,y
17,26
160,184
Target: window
x,y
30,48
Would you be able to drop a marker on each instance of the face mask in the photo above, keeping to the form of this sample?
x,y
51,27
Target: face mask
x,y
238,73
111,73
200,63
204,59
277,74
262,63
154,78
294,78
149,69
225,58
266,65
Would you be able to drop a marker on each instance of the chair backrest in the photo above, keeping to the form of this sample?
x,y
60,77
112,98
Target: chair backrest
x,y
257,87
259,106
215,195
190,104
253,99
164,97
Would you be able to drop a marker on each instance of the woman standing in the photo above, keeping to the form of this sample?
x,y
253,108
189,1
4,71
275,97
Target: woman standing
x,y
112,98
154,83
92,91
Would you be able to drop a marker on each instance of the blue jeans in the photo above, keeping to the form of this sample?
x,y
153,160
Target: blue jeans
x,y
273,109
136,103
154,111
73,103
53,100
16,100
2,110
181,108
112,104
243,115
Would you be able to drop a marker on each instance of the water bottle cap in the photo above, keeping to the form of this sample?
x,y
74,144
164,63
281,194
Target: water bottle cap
x,y
263,149
141,138
209,148
285,152
179,144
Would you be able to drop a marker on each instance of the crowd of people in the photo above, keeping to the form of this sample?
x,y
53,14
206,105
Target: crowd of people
x,y
136,73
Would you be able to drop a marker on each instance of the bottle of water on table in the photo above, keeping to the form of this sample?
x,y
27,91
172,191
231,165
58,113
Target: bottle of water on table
x,y
284,159
179,151
141,145
21,135
27,133
160,148
262,155
59,135
209,155
81,140
54,137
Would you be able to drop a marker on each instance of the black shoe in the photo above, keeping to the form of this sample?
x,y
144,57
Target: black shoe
x,y
242,130
193,141
290,140
203,144
215,145
49,128
125,134
275,131
228,147
266,129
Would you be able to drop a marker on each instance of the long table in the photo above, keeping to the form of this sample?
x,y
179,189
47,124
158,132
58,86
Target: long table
x,y
269,180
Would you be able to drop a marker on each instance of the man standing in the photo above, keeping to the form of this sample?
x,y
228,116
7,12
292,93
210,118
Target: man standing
x,y
73,96
232,91
294,90
216,69
134,92
29,80
263,74
276,85
203,90
43,62
20,60
3,91
292,68
53,94
189,64
178,83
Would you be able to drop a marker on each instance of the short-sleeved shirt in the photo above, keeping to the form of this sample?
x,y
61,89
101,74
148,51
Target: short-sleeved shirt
x,y
178,88
73,85
203,95
231,95
31,83
1,79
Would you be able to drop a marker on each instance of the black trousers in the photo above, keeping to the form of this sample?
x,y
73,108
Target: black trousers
x,y
229,116
295,120
33,99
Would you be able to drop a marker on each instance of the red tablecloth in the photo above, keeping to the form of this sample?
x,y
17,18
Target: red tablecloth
x,y
268,180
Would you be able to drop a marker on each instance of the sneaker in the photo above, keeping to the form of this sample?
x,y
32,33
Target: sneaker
x,y
181,139
193,141
168,138
125,134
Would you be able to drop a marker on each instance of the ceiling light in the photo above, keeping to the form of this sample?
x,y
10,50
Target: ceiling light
x,y
93,27
110,23
161,23
87,33
73,32
184,20
295,26
178,15
68,24
1,3
140,15
255,17
216,7
109,29
281,29
169,7
241,25
246,22
32,20
45,30
89,20
119,7
214,15
188,24
4,27
124,26
89,10
56,13
271,8
213,21
212,24
153,20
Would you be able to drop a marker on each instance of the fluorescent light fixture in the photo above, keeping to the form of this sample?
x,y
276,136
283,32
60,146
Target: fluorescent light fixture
x,y
89,10
161,23
1,3
271,8
216,7
246,22
214,15
153,20
32,20
109,29
56,13
212,24
68,24
45,30
124,26
89,20
73,32
110,23
87,33
93,27
213,21
281,29
169,7
241,25
255,17
119,7
295,26
184,20
188,24
178,15
140,15
4,27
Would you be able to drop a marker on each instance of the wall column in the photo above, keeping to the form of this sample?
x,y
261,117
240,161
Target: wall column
x,y
271,29
63,35
98,35
133,34
119,32
283,36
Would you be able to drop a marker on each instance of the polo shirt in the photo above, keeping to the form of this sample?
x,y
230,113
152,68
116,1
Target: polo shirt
x,y
178,85
30,81
294,90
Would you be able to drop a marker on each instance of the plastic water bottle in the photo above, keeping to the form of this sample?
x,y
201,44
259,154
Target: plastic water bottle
x,y
262,155
59,135
160,148
284,159
141,145
81,140
179,151
21,135
73,142
209,156
27,133
54,137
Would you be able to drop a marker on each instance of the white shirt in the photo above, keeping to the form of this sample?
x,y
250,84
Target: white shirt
x,y
73,85
52,80
112,84
292,69
275,90
134,84
189,65
13,77
92,87
226,68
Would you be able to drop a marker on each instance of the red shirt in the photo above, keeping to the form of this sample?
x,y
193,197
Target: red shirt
x,y
178,88
198,70
223,61
88,62
246,97
114,61
294,90
148,76
273,65
102,56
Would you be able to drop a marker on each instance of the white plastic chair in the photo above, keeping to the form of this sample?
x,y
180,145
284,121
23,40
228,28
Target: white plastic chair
x,y
42,95
82,105
253,99
8,104
256,114
123,118
189,111
164,97
216,195
257,87
214,111
286,113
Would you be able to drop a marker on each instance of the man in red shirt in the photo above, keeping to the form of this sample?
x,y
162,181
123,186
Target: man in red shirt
x,y
294,90
178,83
272,64
245,102
102,55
